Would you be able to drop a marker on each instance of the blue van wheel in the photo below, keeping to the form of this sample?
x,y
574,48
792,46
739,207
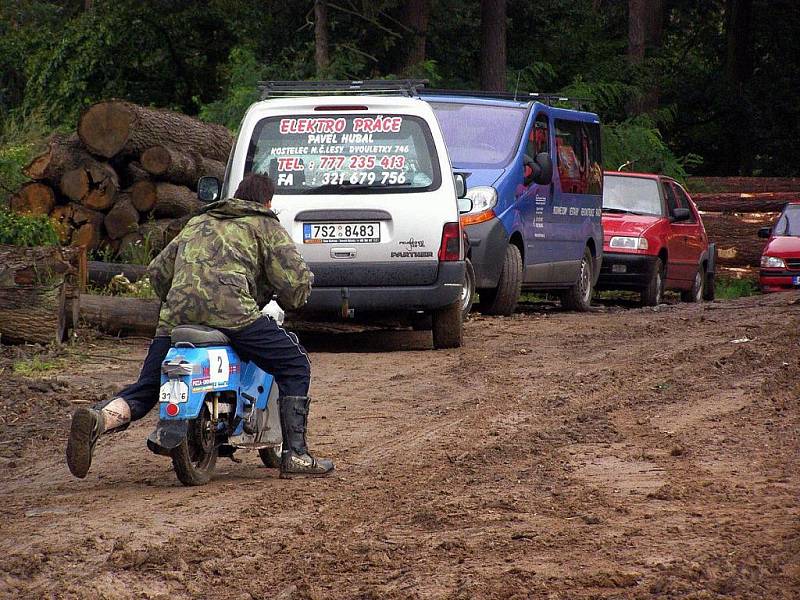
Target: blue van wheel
x,y
503,299
579,296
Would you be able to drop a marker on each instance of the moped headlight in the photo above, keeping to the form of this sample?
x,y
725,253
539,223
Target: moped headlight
x,y
772,262
483,198
629,243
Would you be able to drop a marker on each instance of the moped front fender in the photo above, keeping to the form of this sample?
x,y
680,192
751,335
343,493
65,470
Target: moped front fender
x,y
167,436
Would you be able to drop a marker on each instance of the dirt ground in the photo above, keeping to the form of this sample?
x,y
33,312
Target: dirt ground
x,y
624,453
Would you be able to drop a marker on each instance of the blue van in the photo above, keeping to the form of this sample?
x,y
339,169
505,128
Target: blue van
x,y
534,174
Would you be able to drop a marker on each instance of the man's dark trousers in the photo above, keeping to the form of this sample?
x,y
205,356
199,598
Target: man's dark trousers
x,y
264,342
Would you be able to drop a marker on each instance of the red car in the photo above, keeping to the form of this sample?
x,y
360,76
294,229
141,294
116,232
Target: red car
x,y
654,239
780,259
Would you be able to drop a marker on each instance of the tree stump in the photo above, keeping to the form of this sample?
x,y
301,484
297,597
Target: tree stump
x,y
33,314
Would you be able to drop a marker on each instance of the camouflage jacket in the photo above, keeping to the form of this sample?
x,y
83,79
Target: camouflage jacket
x,y
224,265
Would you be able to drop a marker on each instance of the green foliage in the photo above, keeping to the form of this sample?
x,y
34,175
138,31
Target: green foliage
x,y
728,288
19,230
21,137
637,145
138,253
244,72
35,367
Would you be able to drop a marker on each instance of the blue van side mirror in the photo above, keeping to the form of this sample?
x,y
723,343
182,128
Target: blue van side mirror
x,y
208,189
545,164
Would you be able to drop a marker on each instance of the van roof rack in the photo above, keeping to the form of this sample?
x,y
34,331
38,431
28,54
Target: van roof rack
x,y
549,99
385,87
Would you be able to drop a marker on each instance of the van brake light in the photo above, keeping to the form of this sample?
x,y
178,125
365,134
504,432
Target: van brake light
x,y
451,243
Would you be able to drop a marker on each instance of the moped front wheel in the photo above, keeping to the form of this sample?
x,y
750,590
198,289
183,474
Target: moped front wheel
x,y
195,459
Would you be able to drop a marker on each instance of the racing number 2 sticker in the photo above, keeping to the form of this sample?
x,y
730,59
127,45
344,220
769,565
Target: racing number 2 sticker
x,y
219,368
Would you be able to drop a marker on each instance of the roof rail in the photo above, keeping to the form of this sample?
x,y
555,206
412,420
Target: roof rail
x,y
549,99
386,87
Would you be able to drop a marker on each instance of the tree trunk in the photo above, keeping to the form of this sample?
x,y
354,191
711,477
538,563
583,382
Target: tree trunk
x,y
91,183
118,127
123,218
33,314
180,167
132,173
738,71
61,217
321,53
144,196
745,184
645,27
101,273
160,232
28,278
63,154
33,199
493,45
87,227
745,203
416,15
175,201
120,316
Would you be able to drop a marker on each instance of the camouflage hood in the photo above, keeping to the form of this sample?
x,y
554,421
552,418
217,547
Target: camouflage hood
x,y
225,264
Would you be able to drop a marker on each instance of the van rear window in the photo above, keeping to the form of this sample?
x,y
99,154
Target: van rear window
x,y
345,153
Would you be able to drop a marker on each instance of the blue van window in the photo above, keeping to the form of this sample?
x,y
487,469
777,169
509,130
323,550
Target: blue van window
x,y
578,157
539,137
478,135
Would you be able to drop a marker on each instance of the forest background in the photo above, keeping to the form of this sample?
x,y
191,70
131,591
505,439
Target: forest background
x,y
706,87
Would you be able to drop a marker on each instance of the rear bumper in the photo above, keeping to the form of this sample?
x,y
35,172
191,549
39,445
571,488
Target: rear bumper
x,y
778,280
621,271
444,291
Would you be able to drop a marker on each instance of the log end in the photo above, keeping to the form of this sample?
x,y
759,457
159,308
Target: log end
x,y
33,199
156,160
104,127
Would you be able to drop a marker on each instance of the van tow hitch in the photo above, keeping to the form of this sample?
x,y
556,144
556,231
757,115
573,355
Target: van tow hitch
x,y
347,312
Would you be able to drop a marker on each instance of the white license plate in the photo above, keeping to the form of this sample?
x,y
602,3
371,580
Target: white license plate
x,y
796,280
349,233
174,391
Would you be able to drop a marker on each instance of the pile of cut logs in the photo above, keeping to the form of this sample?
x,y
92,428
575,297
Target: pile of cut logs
x,y
734,208
128,175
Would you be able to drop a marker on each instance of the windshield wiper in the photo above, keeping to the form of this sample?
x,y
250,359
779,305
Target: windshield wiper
x,y
625,211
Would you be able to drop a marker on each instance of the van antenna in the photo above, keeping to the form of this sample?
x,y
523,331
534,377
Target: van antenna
x,y
516,86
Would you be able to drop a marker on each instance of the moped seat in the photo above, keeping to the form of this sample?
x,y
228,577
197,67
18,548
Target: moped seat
x,y
198,336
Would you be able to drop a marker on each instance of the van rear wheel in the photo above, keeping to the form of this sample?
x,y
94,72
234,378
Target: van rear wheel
x,y
468,289
579,296
448,326
503,299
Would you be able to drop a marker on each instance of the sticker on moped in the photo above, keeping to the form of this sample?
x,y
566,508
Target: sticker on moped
x,y
174,391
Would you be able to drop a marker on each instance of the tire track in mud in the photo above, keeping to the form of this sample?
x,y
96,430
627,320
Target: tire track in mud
x,y
556,455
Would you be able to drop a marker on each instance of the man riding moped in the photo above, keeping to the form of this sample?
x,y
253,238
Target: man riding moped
x,y
226,263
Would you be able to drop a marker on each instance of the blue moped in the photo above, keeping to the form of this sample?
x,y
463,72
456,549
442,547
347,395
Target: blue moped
x,y
211,404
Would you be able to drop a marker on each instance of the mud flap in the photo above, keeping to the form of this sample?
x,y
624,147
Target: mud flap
x,y
167,436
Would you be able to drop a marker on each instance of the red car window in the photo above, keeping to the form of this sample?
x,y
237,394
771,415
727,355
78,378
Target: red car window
x,y
683,197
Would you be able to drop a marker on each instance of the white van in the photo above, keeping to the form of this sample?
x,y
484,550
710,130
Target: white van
x,y
365,187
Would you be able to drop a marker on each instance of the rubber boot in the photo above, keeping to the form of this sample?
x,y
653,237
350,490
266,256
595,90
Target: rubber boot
x,y
295,459
88,424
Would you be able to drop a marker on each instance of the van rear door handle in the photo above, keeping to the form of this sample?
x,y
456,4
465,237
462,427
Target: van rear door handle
x,y
340,252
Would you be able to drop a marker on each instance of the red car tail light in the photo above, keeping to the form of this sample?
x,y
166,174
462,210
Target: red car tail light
x,y
451,243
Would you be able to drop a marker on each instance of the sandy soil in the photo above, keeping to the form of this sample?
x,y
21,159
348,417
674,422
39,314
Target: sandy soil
x,y
625,453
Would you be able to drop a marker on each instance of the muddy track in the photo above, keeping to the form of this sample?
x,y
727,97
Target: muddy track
x,y
625,453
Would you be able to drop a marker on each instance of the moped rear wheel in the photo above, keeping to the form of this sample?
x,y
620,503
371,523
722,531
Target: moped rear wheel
x,y
194,460
271,457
